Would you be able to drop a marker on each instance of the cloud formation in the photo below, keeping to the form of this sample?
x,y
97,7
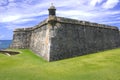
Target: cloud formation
x,y
25,13
82,9
4,2
95,2
110,4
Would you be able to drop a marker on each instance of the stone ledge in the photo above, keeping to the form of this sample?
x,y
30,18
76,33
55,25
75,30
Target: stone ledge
x,y
84,23
10,52
31,28
68,21
23,29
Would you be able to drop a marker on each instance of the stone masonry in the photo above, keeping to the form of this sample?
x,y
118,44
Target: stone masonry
x,y
57,37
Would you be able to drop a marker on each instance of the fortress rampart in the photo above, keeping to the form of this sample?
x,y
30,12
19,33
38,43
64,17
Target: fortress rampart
x,y
58,38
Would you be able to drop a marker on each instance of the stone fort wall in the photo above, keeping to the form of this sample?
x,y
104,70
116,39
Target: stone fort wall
x,y
35,38
58,38
73,38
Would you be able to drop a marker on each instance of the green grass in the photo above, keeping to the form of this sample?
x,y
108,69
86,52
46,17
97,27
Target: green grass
x,y
27,66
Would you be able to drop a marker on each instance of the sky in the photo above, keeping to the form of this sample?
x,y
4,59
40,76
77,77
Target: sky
x,y
27,13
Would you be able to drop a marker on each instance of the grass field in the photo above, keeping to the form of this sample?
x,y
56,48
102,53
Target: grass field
x,y
27,66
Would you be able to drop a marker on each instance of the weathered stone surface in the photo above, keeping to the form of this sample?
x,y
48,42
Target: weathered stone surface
x,y
64,38
21,39
57,38
40,41
75,39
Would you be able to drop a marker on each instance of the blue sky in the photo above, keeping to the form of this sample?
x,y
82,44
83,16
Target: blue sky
x,y
27,13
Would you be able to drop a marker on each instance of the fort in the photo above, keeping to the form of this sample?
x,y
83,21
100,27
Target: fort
x,y
58,38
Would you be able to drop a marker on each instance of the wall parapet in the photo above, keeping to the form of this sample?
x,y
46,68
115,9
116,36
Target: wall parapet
x,y
68,21
84,23
31,28
23,29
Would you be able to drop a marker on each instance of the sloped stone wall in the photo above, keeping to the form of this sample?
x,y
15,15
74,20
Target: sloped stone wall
x,y
73,40
40,41
36,38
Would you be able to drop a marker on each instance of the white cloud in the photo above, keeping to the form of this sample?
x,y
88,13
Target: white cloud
x,y
94,2
110,4
74,12
25,11
21,17
10,18
23,20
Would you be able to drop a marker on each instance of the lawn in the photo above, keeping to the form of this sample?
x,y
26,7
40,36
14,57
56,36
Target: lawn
x,y
27,66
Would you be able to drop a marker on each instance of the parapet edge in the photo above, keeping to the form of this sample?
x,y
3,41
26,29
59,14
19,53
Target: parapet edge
x,y
68,21
85,23
31,28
